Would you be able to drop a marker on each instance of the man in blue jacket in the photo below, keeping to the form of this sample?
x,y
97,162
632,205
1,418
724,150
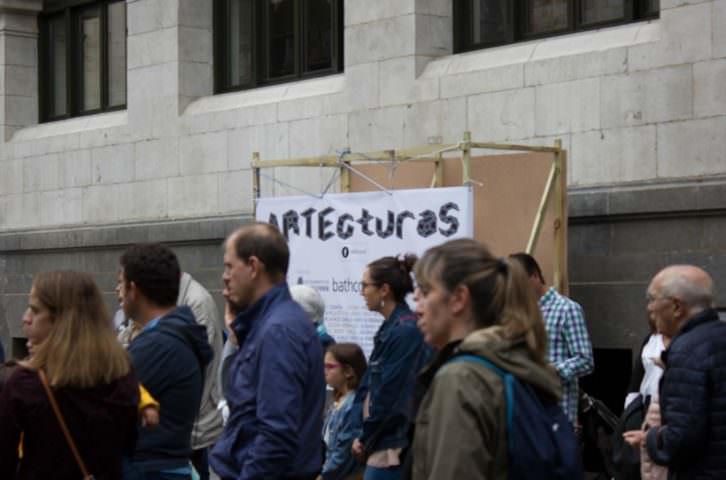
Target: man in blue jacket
x,y
275,381
169,357
692,438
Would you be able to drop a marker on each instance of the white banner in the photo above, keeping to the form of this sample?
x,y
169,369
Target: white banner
x,y
333,238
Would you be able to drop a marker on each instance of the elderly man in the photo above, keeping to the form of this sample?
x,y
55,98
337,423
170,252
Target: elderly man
x,y
692,440
275,383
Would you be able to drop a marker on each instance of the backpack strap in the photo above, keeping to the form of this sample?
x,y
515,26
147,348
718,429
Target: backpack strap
x,y
507,379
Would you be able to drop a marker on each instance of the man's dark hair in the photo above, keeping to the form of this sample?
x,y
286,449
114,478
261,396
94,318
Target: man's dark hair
x,y
529,264
265,242
155,271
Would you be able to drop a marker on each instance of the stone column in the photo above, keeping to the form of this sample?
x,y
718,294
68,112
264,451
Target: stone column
x,y
18,64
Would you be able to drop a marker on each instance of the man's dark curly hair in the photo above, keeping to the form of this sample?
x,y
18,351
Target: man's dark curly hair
x,y
155,271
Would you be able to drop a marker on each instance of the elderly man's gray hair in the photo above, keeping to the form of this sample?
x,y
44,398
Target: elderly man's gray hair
x,y
310,301
696,293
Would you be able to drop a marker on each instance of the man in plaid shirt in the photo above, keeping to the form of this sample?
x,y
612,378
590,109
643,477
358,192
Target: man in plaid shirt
x,y
569,347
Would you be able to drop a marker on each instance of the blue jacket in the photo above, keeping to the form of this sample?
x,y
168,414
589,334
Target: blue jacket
x,y
692,440
2,353
339,432
169,357
275,392
399,352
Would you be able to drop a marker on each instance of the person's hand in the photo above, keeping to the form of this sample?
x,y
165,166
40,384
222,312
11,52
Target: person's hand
x,y
229,317
150,416
652,416
635,438
357,450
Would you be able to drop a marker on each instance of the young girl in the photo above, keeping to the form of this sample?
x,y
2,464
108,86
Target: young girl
x,y
345,365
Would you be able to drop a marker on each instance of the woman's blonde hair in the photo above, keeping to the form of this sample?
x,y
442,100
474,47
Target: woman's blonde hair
x,y
81,349
501,294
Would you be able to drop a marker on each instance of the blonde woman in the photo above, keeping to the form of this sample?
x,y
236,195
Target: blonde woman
x,y
471,303
89,374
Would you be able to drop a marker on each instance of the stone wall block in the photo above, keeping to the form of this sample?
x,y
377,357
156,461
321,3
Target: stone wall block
x,y
193,13
193,196
614,156
575,67
399,83
235,191
12,179
709,88
433,35
101,204
692,148
494,79
378,129
685,38
143,200
61,207
357,12
21,81
196,80
157,159
20,51
23,210
380,40
362,86
316,106
41,173
719,33
439,121
150,15
204,153
651,96
156,47
195,45
568,107
502,116
76,168
113,164
318,136
271,142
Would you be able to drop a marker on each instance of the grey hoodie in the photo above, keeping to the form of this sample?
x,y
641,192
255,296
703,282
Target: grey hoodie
x,y
208,425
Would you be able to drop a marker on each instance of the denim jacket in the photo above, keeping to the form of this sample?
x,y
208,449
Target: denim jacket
x,y
399,352
339,432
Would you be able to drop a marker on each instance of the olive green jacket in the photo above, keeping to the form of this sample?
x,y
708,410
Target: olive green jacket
x,y
461,425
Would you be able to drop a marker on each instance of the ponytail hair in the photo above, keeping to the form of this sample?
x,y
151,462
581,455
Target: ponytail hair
x,y
500,291
396,273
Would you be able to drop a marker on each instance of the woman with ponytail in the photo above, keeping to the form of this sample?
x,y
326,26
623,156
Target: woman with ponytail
x,y
471,303
384,397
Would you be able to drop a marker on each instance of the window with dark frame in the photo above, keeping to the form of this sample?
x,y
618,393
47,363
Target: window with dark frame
x,y
82,58
263,42
487,23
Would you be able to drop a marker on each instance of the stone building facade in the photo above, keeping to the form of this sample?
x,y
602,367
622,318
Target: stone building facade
x,y
640,107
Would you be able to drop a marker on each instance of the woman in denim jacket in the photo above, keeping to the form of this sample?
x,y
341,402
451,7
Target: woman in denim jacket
x,y
345,365
385,395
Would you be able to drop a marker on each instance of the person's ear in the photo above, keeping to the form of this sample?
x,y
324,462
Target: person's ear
x,y
459,299
385,290
256,266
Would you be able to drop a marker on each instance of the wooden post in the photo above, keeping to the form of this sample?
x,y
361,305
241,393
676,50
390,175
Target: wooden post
x,y
345,177
255,181
438,171
466,159
560,280
542,209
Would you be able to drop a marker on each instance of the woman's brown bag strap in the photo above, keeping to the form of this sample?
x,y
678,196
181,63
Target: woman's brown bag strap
x,y
62,422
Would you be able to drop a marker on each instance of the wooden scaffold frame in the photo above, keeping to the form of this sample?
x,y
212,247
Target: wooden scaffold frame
x,y
555,186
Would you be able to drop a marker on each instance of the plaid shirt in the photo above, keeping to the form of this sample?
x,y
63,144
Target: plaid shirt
x,y
570,350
